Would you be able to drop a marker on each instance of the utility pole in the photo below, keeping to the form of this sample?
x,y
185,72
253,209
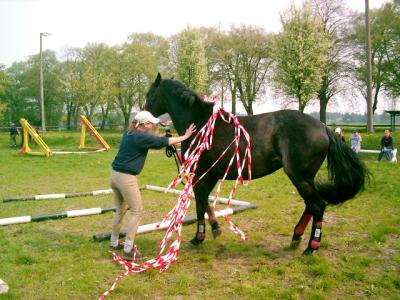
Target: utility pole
x,y
370,116
41,85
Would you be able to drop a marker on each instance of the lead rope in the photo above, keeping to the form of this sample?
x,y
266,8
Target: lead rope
x,y
202,141
171,151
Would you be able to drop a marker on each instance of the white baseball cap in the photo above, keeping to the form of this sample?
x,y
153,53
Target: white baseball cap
x,y
145,116
338,130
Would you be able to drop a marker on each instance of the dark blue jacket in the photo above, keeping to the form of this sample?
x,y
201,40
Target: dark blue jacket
x,y
387,142
133,150
14,130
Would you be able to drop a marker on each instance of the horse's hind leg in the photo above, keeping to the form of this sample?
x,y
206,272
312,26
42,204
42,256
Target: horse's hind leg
x,y
316,231
300,228
315,206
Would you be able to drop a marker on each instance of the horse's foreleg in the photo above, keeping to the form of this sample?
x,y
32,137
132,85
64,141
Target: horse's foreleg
x,y
300,228
316,231
201,191
201,207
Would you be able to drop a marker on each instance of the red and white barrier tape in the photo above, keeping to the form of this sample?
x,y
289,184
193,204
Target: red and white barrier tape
x,y
201,142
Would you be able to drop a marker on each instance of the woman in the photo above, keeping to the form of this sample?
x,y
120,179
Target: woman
x,y
128,163
339,133
355,141
386,146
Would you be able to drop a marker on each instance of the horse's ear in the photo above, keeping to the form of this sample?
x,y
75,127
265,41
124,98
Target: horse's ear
x,y
158,80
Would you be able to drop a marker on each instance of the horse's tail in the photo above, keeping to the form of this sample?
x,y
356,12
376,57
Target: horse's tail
x,y
347,173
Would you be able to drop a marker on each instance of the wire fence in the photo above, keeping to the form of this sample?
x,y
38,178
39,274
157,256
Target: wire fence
x,y
113,128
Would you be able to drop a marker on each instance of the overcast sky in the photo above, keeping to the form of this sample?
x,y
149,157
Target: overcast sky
x,y
74,23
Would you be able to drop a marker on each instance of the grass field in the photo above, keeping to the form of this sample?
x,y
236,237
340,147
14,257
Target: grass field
x,y
359,257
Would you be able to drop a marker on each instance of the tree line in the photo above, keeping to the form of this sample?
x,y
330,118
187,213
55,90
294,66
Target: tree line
x,y
319,55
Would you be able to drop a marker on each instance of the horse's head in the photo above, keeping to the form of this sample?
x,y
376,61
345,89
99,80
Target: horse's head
x,y
182,104
155,103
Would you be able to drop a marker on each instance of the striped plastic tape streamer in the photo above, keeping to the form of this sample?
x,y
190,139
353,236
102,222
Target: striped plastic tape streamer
x,y
201,142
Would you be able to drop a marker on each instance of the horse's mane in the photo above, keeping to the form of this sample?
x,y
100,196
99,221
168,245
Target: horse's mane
x,y
176,90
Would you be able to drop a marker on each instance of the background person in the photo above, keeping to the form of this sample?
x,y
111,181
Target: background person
x,y
386,146
355,141
128,163
339,133
13,135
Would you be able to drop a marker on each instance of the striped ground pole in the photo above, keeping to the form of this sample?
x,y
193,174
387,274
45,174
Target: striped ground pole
x,y
240,206
57,196
3,287
188,220
67,214
109,191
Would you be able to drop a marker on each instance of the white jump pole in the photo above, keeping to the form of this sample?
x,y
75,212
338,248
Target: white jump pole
x,y
67,214
3,287
393,153
211,198
57,196
369,151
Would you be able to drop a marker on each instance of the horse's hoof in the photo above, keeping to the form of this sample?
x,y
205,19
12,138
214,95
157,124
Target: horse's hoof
x,y
295,244
216,232
309,251
195,241
296,239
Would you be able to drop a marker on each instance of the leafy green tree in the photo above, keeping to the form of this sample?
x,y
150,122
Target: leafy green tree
x,y
335,25
23,90
223,64
109,92
138,60
70,79
88,83
4,104
51,82
382,42
216,79
253,61
391,12
94,77
191,67
4,81
19,105
301,53
241,59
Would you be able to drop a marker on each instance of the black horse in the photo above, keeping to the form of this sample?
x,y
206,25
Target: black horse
x,y
286,138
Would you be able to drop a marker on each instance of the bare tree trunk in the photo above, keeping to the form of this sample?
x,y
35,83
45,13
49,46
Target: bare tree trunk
x,y
322,110
301,105
375,104
104,115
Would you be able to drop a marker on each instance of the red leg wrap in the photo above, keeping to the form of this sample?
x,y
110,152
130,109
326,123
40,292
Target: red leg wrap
x,y
314,244
305,219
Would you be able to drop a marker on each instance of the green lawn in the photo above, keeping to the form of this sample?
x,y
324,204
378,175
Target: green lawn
x,y
57,259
